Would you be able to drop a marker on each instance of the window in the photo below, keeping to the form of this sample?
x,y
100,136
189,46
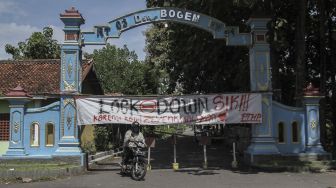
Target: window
x,y
50,134
34,134
281,132
4,127
295,132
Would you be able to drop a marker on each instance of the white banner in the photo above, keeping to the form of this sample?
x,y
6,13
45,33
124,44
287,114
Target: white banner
x,y
192,109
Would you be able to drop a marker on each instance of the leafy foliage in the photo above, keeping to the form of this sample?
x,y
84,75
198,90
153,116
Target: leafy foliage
x,y
191,61
302,46
39,45
89,147
120,71
101,134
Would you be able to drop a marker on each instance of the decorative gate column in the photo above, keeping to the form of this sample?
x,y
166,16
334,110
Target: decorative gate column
x,y
311,101
17,98
70,85
263,141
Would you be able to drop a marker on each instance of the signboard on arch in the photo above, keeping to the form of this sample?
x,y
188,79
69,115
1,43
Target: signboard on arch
x,y
188,109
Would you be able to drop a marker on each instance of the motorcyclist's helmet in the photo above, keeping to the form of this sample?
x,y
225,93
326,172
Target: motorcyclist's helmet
x,y
135,127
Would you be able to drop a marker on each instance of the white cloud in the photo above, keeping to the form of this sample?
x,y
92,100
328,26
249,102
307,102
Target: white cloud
x,y
9,7
12,33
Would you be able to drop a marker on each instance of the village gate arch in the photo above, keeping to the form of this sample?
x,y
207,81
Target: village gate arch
x,y
260,76
264,135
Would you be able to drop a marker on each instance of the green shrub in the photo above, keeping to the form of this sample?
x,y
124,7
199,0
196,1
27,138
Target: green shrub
x,y
107,137
101,138
89,147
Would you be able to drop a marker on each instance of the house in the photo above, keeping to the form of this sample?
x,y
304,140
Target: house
x,y
41,80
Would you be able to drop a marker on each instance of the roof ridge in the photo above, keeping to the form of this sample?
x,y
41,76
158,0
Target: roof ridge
x,y
31,61
38,60
46,79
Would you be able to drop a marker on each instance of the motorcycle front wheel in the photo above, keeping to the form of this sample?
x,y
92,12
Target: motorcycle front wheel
x,y
139,170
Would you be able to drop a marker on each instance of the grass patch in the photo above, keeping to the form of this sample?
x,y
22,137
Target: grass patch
x,y
286,163
10,180
17,168
314,166
19,180
31,166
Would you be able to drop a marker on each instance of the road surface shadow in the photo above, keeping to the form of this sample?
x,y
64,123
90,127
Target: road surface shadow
x,y
198,172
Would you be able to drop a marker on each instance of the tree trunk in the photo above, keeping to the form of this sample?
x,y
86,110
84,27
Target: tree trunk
x,y
300,49
274,54
332,60
322,51
333,90
211,7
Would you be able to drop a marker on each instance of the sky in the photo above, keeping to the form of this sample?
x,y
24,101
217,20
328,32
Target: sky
x,y
20,18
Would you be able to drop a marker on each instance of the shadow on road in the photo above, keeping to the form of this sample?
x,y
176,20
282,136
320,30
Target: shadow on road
x,y
198,172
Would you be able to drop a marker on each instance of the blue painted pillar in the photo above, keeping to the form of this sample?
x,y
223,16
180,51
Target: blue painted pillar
x,y
311,102
17,98
70,85
263,141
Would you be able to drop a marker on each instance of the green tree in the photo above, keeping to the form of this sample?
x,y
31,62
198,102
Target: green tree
x,y
300,50
190,60
331,86
120,71
39,45
302,40
323,55
102,141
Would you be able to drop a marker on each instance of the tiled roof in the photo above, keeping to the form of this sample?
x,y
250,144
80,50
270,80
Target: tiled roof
x,y
35,76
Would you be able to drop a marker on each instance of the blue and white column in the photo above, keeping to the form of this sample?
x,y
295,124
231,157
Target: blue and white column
x,y
70,85
263,141
311,102
17,98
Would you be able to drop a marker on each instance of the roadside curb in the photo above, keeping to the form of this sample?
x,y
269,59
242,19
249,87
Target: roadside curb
x,y
297,169
47,174
42,174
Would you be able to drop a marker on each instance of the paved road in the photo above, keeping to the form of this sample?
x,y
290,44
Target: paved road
x,y
191,178
190,157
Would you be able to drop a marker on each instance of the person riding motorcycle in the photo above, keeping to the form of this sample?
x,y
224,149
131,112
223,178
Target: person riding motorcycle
x,y
132,135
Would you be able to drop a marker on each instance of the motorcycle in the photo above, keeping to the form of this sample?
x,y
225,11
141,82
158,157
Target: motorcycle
x,y
136,166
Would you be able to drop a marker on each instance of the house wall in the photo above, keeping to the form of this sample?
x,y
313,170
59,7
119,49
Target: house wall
x,y
4,106
4,109
3,147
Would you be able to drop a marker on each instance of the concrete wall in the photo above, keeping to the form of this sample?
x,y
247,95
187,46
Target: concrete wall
x,y
287,115
42,116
